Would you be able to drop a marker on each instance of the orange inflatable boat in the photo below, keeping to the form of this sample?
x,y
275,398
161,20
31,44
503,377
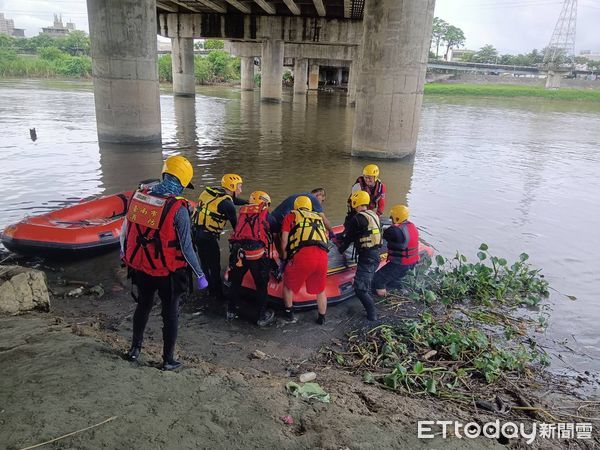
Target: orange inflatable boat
x,y
340,276
84,227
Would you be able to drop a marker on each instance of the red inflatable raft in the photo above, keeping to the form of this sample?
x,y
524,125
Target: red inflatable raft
x,y
84,227
340,276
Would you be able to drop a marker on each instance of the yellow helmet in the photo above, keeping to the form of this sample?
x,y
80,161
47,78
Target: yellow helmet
x,y
399,213
360,198
230,181
303,202
258,197
371,170
179,167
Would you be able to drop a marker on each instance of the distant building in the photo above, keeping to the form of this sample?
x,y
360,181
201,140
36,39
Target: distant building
x,y
458,54
592,56
58,28
19,32
7,26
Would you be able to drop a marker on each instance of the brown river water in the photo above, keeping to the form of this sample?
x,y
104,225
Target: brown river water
x,y
522,175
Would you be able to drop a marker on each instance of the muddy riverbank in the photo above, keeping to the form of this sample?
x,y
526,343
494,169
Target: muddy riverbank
x,y
64,370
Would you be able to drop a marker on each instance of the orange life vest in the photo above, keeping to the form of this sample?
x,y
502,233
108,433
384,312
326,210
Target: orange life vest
x,y
151,241
408,252
252,225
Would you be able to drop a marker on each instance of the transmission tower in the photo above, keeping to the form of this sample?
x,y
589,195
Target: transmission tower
x,y
561,50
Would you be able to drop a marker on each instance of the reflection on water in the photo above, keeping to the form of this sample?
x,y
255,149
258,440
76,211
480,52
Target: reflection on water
x,y
520,175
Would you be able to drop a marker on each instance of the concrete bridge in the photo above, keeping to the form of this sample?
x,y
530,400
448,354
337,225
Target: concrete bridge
x,y
385,44
483,67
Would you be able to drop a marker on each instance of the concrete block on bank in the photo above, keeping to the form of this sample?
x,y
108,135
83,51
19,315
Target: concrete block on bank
x,y
22,289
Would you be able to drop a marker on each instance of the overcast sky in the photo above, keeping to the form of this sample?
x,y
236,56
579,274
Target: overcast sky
x,y
512,26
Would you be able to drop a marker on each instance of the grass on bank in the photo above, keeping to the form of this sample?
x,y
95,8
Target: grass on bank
x,y
502,90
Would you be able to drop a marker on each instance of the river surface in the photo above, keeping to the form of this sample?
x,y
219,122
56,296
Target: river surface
x,y
522,175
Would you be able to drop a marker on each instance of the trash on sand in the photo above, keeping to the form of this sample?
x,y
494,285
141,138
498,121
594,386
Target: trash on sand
x,y
288,420
257,354
97,290
308,391
75,292
308,376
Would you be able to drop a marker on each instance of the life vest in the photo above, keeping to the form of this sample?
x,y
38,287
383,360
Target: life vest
x,y
252,225
151,241
406,253
308,230
372,235
375,192
207,214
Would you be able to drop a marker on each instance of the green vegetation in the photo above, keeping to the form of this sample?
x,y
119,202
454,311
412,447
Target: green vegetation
x,y
214,44
457,280
216,67
507,90
469,338
288,78
45,56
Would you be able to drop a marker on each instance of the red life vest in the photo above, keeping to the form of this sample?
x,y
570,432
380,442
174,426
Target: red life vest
x,y
151,242
252,225
374,192
408,252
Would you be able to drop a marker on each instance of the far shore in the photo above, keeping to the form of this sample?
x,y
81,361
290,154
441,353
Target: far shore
x,y
512,90
443,88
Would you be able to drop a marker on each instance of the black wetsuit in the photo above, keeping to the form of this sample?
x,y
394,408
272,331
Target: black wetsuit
x,y
209,252
368,261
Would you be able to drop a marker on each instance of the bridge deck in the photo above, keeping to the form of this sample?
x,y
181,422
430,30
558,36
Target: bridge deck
x,y
334,9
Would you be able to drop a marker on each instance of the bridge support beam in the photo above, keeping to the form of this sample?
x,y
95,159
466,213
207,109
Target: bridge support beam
x,y
300,76
271,70
313,77
392,74
182,57
123,48
247,69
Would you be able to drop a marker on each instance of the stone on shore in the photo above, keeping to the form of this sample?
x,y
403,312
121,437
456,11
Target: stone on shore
x,y
22,289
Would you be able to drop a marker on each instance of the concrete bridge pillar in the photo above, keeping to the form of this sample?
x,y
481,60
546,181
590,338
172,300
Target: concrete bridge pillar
x,y
313,77
339,76
390,83
182,57
300,75
271,70
553,79
123,48
352,84
247,69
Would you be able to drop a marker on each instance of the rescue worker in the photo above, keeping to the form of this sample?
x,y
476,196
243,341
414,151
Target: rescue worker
x,y
317,197
370,183
402,239
364,231
215,209
251,250
304,240
156,246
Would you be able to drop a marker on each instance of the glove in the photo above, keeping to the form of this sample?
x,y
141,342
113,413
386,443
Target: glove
x,y
277,270
331,234
282,265
201,282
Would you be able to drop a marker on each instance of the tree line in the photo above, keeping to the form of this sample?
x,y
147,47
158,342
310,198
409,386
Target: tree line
x,y
445,37
46,56
69,56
